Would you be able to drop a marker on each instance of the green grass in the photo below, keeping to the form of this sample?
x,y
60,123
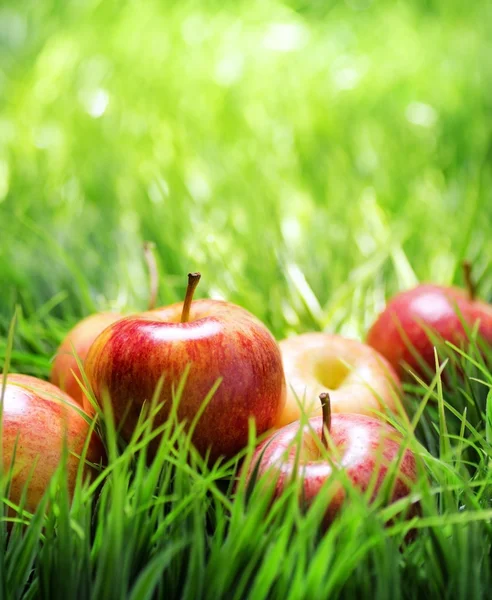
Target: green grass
x,y
310,159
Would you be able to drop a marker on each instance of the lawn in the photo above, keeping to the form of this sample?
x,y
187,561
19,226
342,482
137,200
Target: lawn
x,y
310,159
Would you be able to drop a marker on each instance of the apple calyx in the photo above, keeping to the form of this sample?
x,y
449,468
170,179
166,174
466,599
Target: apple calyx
x,y
467,276
326,410
193,279
149,253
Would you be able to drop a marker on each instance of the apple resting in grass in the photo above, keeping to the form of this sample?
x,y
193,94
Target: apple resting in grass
x,y
38,418
401,332
358,379
65,371
366,449
218,341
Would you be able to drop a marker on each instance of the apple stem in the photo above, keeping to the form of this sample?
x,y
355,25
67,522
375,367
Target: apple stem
x,y
326,408
149,253
193,279
470,284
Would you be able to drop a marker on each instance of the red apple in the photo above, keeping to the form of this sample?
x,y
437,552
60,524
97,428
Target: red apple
x,y
364,448
358,379
218,340
65,370
38,418
401,332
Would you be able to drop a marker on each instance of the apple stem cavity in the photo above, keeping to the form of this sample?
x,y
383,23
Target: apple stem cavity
x,y
193,279
470,284
149,253
326,409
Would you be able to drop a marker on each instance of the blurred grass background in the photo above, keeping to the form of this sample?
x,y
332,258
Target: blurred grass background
x,y
308,157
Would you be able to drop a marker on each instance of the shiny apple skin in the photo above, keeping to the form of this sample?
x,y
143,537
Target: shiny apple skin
x,y
39,417
65,369
221,340
367,383
437,308
365,448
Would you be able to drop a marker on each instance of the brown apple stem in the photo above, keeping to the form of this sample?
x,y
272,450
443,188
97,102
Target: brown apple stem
x,y
149,253
470,284
193,279
326,408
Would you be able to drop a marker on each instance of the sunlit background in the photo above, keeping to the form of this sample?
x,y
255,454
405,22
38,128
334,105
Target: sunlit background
x,y
308,157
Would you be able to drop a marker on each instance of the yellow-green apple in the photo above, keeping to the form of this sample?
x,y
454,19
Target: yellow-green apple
x,y
65,372
219,341
414,320
38,420
367,450
358,379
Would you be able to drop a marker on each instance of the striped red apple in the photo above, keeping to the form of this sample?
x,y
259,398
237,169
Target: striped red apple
x,y
406,332
220,343
366,450
38,420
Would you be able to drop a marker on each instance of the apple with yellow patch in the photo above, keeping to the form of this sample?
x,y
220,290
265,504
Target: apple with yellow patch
x,y
358,379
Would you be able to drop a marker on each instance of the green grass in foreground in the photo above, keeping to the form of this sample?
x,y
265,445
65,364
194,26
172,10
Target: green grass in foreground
x,y
309,159
182,529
